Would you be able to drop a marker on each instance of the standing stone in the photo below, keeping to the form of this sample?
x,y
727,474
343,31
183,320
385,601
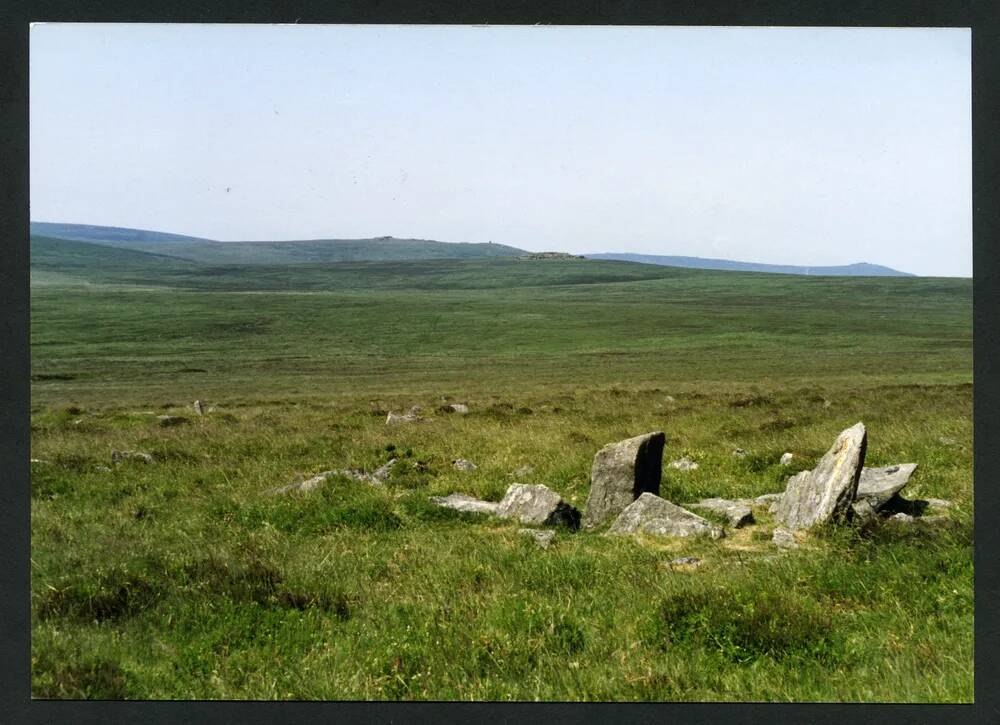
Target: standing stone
x,y
786,458
621,472
537,504
197,408
879,485
826,492
650,514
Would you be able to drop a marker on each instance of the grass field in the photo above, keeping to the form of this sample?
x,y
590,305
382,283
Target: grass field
x,y
183,579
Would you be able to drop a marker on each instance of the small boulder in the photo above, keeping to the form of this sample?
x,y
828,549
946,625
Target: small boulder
x,y
542,537
463,465
864,511
621,472
465,503
169,421
650,514
394,418
537,504
197,408
738,512
826,492
786,459
381,473
740,453
460,408
684,464
784,539
118,457
879,485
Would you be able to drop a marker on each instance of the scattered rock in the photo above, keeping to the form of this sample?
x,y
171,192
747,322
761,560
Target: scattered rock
x,y
738,512
786,458
463,465
864,511
118,457
542,537
460,408
621,472
684,464
670,399
393,418
740,453
381,473
685,561
310,484
197,408
902,518
537,504
767,498
650,514
468,504
784,539
169,421
879,485
826,492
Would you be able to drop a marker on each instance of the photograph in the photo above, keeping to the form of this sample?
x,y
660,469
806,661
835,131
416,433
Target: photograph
x,y
501,363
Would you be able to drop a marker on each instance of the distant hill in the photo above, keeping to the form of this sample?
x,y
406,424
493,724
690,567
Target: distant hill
x,y
208,251
861,269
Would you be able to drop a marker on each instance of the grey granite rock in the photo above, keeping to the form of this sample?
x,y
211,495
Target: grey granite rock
x,y
784,539
879,485
650,514
620,473
826,492
468,504
198,408
738,512
463,465
537,504
786,458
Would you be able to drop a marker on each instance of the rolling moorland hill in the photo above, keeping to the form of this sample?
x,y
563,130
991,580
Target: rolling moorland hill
x,y
209,251
859,269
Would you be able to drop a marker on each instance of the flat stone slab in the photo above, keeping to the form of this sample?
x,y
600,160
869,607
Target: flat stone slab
x,y
468,504
684,464
879,485
542,537
738,512
826,493
537,504
650,514
620,473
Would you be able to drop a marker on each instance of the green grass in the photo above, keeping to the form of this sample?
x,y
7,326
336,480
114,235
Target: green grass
x,y
185,579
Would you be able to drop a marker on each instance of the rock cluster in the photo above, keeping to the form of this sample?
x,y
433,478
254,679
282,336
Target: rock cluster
x,y
375,478
650,514
528,503
621,472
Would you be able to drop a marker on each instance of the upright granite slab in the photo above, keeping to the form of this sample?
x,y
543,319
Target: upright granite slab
x,y
650,514
826,492
879,485
621,472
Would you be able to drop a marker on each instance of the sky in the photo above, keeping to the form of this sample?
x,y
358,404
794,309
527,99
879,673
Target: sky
x,y
811,146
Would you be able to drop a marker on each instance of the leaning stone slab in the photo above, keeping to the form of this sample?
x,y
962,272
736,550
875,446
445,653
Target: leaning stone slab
x,y
621,472
879,485
467,504
826,493
542,537
738,512
537,504
650,514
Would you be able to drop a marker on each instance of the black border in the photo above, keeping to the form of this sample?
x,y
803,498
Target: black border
x,y
981,15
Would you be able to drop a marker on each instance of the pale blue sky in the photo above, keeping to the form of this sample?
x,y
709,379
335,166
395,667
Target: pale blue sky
x,y
784,145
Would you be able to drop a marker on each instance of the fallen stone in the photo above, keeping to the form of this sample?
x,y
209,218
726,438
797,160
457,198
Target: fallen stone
x,y
864,511
463,465
786,458
902,518
826,492
738,512
542,537
740,453
939,503
621,472
650,514
684,464
537,504
197,407
463,502
784,539
879,485
310,484
118,457
460,408
393,418
381,473
168,421
685,561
